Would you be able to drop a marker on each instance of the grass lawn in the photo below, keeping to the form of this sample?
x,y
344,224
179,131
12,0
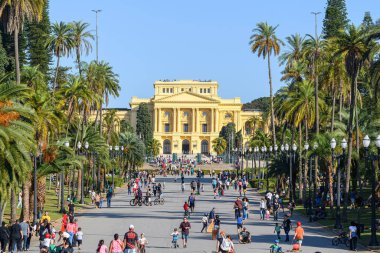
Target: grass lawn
x,y
51,203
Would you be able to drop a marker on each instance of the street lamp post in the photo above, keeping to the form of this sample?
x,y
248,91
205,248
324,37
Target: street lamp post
x,y
338,224
315,146
368,157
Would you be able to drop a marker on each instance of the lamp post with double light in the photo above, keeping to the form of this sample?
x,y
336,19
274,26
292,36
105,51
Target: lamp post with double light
x,y
370,159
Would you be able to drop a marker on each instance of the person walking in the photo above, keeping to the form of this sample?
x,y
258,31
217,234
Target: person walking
x,y
142,243
245,208
131,239
287,226
238,206
102,248
16,236
353,235
277,230
263,207
192,202
116,245
185,229
4,237
298,235
109,197
204,222
223,244
25,232
276,206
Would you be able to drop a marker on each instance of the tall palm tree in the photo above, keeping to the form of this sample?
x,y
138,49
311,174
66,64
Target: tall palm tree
x,y
14,13
102,80
111,122
264,42
81,39
60,43
352,44
294,53
253,122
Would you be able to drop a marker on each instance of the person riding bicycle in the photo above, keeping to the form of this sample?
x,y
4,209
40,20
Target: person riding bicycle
x,y
138,195
186,208
148,196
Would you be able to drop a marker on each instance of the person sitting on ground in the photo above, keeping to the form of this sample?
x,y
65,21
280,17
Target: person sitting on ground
x,y
275,248
244,236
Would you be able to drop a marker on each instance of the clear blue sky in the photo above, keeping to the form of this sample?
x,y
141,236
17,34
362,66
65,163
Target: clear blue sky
x,y
148,40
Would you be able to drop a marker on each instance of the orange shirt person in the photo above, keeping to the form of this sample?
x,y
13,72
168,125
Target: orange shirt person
x,y
298,235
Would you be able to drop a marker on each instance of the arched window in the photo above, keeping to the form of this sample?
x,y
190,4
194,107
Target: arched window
x,y
185,147
204,147
167,147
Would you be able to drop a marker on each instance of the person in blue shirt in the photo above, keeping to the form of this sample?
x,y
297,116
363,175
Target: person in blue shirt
x,y
239,223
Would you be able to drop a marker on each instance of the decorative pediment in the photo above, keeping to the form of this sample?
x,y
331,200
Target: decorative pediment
x,y
186,97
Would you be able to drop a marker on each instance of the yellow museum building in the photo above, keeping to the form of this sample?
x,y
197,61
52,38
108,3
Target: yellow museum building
x,y
188,115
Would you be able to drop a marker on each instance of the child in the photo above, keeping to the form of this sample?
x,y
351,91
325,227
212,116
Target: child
x,y
52,247
79,235
175,236
142,242
102,248
267,213
275,248
277,229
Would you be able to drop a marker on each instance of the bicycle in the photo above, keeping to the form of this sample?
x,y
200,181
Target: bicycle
x,y
146,201
159,200
135,202
341,239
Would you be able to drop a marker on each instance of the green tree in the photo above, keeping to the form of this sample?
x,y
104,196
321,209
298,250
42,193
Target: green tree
x,y
219,145
335,18
262,104
144,123
154,147
14,14
353,45
367,21
264,42
37,33
81,39
228,132
60,42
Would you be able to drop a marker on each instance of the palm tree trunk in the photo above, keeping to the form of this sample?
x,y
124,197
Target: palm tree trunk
x,y
331,184
41,193
354,83
316,90
56,73
25,199
101,119
17,57
271,102
333,107
78,61
357,129
306,158
300,175
340,100
79,185
3,205
13,206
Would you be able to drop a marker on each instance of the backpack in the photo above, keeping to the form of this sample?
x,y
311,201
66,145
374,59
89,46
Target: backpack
x,y
225,245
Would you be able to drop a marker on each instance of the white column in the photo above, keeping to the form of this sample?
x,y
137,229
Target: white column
x,y
178,119
212,121
193,120
216,120
174,122
159,120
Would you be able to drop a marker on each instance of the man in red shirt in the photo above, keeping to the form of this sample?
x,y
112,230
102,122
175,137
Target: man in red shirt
x,y
185,229
131,240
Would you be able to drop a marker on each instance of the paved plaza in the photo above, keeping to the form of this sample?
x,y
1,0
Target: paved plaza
x,y
157,222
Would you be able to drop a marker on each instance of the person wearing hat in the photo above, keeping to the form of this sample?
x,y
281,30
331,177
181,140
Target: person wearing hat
x,y
131,240
298,235
275,247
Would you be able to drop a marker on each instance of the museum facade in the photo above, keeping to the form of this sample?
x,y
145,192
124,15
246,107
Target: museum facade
x,y
187,115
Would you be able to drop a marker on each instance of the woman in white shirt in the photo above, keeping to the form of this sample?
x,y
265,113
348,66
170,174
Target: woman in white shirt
x,y
263,207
